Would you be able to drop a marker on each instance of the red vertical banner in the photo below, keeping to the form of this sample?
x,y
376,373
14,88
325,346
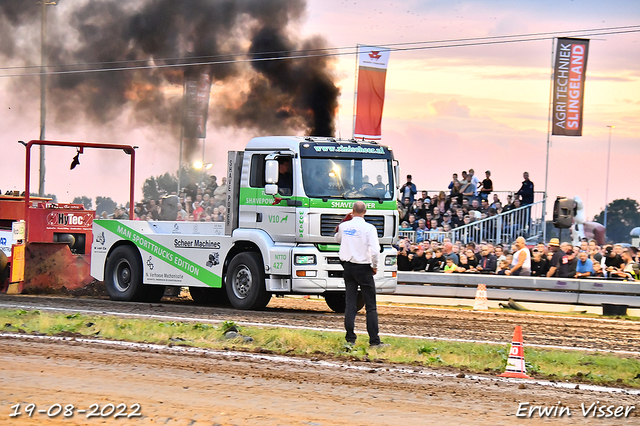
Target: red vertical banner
x,y
569,75
372,74
196,105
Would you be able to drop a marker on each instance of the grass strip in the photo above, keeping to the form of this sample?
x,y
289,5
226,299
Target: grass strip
x,y
598,368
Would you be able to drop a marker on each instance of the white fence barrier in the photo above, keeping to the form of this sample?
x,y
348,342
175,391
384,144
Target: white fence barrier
x,y
523,289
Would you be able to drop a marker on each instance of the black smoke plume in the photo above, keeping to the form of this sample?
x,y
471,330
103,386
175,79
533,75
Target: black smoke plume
x,y
284,96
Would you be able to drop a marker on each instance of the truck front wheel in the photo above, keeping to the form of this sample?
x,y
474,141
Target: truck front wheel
x,y
123,274
337,303
245,282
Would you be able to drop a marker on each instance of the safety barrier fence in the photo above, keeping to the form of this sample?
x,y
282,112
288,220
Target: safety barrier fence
x,y
593,292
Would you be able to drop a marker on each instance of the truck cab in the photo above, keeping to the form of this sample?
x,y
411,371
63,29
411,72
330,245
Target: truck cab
x,y
319,180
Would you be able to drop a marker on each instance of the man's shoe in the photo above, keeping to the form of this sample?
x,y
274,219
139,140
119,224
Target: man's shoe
x,y
380,345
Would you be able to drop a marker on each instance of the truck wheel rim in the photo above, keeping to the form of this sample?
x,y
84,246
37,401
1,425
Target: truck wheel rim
x,y
242,282
122,276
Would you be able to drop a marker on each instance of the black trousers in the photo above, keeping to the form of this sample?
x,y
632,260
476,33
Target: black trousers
x,y
360,275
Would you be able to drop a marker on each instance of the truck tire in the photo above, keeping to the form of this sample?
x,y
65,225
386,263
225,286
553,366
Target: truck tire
x,y
209,296
244,282
337,303
123,275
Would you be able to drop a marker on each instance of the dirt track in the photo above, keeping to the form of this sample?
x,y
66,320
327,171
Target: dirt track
x,y
221,389
196,390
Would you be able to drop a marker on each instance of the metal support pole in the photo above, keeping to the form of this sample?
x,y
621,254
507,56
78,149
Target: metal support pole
x,y
606,185
546,171
203,166
184,88
180,159
132,180
43,94
355,93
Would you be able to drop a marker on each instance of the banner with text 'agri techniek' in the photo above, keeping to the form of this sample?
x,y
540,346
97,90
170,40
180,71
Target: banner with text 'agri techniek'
x,y
372,73
568,86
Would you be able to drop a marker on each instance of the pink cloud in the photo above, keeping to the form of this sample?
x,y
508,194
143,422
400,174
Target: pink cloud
x,y
451,108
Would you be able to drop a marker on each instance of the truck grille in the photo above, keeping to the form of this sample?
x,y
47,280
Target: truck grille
x,y
328,223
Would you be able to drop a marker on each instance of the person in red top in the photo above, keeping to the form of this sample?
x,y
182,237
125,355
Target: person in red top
x,y
198,212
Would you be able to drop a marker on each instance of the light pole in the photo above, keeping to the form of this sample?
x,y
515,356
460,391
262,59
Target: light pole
x,y
199,165
606,185
43,88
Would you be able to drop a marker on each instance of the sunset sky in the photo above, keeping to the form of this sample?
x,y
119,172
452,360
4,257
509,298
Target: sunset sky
x,y
446,110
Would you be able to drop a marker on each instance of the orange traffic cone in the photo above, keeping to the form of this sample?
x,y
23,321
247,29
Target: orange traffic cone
x,y
515,363
481,303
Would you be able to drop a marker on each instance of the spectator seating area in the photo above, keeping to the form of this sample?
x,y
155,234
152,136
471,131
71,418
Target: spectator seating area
x,y
471,211
197,203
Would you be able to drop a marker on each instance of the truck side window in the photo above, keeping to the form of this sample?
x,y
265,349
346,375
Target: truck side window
x,y
285,177
256,176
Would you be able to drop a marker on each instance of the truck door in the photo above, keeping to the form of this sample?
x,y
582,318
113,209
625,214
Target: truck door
x,y
275,214
278,217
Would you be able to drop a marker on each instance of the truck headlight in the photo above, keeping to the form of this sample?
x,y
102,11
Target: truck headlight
x,y
305,259
390,260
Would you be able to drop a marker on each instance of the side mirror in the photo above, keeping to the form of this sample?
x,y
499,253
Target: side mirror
x,y
396,172
271,189
271,172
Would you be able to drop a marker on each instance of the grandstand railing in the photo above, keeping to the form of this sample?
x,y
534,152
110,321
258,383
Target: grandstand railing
x,y
526,221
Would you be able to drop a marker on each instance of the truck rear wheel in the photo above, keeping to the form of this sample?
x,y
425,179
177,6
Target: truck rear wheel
x,y
209,296
123,274
244,282
337,303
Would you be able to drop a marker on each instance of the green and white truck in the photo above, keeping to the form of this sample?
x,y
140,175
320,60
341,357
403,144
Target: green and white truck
x,y
275,240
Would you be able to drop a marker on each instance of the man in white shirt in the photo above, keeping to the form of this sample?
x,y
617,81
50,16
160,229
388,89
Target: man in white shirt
x,y
359,249
521,265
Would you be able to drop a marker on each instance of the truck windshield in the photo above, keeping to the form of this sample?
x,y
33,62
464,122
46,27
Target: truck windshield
x,y
347,178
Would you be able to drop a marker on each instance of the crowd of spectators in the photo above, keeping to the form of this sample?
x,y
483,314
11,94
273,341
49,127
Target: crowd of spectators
x,y
428,218
196,203
466,201
554,259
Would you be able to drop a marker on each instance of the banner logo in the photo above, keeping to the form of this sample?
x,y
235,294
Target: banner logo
x,y
372,74
70,219
214,259
568,86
